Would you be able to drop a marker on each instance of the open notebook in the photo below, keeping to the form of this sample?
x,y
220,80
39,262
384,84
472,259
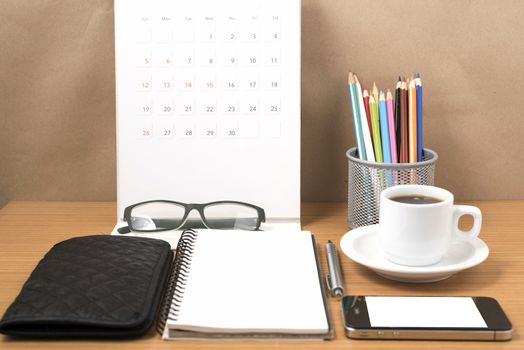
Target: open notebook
x,y
245,284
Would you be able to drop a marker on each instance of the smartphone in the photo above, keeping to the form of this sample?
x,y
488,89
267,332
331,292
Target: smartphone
x,y
432,318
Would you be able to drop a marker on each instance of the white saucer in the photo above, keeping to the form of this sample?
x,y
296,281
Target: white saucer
x,y
362,246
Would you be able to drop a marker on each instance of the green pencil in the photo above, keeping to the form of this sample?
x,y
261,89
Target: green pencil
x,y
375,125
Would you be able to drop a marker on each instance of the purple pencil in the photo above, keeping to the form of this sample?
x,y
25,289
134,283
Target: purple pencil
x,y
391,127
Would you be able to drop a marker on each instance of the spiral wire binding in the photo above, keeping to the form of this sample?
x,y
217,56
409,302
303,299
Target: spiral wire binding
x,y
178,279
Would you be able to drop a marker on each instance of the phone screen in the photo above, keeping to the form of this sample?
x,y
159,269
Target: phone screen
x,y
438,312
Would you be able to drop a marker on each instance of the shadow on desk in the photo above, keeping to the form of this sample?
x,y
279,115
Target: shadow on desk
x,y
467,283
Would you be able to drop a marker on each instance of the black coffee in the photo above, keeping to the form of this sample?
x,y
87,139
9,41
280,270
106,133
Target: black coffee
x,y
416,199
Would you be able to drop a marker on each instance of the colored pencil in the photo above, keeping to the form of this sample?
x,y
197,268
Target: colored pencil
x,y
365,97
418,85
388,128
356,117
373,108
403,124
391,127
412,107
407,117
397,117
366,131
375,92
384,131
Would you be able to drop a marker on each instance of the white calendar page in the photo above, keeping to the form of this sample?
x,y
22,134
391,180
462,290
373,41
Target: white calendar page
x,y
208,102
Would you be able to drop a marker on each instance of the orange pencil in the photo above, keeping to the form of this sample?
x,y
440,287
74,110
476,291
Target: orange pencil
x,y
412,106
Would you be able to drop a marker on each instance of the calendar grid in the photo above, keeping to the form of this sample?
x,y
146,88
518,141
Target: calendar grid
x,y
231,62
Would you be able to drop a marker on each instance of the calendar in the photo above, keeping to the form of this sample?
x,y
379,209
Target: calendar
x,y
208,102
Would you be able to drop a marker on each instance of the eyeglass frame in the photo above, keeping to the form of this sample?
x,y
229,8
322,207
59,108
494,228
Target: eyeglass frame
x,y
199,207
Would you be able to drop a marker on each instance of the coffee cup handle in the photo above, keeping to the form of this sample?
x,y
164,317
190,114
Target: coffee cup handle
x,y
458,212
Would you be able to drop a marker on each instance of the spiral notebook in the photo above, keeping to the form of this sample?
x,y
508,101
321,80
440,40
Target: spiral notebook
x,y
245,284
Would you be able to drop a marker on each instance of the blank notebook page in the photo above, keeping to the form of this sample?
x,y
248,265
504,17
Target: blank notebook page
x,y
258,282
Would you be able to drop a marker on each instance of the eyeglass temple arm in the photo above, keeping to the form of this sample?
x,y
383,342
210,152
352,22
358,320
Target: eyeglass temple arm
x,y
123,230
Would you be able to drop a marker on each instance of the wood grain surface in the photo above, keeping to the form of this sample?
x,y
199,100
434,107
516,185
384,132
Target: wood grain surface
x,y
29,229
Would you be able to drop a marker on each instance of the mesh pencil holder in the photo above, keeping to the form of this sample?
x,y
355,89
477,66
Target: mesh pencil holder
x,y
368,179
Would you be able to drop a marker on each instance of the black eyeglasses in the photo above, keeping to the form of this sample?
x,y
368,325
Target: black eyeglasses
x,y
163,215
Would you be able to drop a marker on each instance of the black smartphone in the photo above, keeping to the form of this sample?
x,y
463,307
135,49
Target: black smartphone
x,y
436,318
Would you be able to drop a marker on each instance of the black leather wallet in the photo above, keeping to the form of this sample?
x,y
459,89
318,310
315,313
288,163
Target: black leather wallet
x,y
92,287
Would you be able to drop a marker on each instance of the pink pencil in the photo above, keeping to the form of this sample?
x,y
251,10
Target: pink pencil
x,y
391,127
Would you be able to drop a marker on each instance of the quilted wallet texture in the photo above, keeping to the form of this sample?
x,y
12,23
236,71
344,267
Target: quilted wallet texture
x,y
92,287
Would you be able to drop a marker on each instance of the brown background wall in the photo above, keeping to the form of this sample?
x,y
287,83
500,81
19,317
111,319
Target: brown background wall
x,y
57,133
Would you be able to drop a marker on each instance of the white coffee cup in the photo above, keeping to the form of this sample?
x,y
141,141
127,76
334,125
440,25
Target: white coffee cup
x,y
420,234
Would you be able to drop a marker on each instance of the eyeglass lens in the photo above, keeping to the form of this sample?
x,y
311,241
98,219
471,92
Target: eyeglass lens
x,y
156,216
231,216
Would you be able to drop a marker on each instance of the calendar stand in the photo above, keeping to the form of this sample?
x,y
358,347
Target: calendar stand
x,y
208,103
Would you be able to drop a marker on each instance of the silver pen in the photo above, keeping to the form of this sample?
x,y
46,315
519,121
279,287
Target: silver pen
x,y
334,275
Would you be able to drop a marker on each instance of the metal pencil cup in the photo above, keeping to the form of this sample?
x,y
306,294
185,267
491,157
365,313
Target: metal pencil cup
x,y
368,179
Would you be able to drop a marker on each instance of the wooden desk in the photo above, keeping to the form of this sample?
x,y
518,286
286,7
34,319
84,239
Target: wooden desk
x,y
29,229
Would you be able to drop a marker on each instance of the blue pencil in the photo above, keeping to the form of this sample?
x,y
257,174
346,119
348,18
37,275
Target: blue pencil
x,y
352,91
418,83
384,130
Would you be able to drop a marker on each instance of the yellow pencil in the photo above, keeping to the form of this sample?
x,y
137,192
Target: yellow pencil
x,y
375,92
412,107
375,125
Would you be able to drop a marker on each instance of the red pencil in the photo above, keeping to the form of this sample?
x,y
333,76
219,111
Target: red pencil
x,y
365,97
404,148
